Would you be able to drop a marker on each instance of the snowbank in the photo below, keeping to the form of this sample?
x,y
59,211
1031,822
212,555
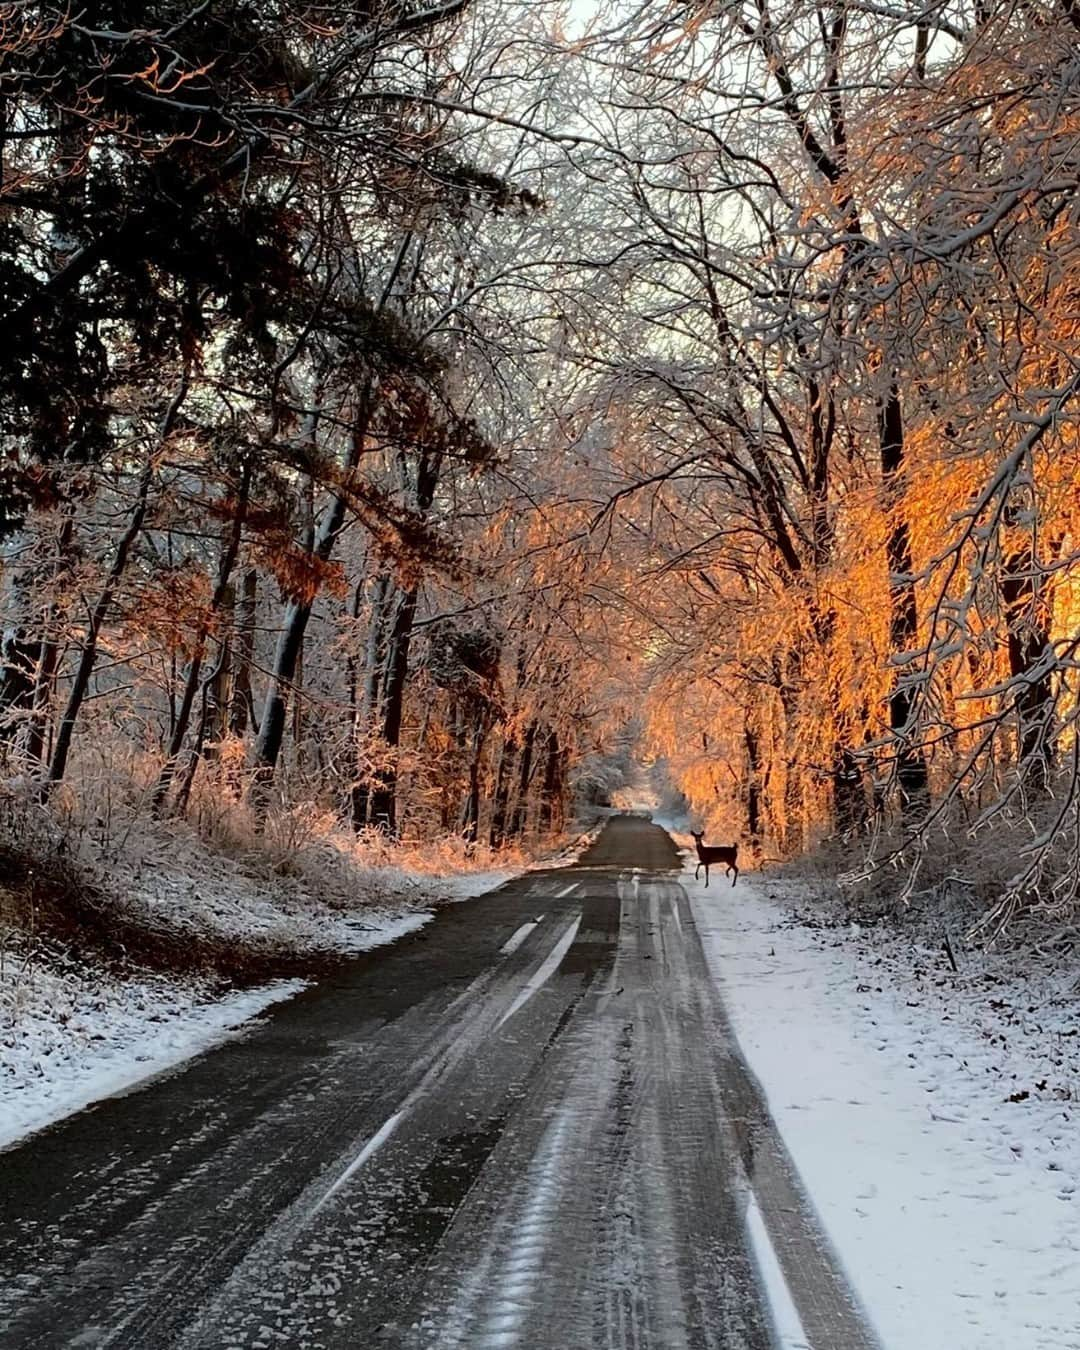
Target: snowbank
x,y
73,1031
70,1035
933,1116
321,900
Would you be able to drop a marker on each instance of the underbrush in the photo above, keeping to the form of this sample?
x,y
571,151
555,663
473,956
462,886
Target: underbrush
x,y
950,883
228,892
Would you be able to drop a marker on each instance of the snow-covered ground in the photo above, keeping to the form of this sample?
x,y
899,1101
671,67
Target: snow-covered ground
x,y
934,1116
72,1032
323,902
70,1035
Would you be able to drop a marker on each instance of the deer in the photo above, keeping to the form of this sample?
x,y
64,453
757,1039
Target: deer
x,y
709,853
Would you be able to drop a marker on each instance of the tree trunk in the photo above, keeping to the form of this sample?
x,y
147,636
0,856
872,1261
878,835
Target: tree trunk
x,y
384,804
49,648
754,767
519,820
470,816
218,685
206,713
291,642
85,669
272,727
849,790
384,810
1027,612
368,709
242,701
910,766
191,682
552,796
788,673
504,776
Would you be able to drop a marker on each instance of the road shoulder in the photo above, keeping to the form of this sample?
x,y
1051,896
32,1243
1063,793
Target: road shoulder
x,y
952,1208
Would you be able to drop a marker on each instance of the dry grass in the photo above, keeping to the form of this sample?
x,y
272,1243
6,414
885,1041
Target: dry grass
x,y
230,891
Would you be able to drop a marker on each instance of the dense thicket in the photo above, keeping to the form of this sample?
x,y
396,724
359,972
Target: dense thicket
x,y
250,418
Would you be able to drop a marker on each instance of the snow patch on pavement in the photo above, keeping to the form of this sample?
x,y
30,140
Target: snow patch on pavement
x,y
933,1117
785,1317
548,968
72,1033
369,1150
514,941
70,1036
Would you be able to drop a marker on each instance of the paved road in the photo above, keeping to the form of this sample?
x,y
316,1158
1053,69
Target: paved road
x,y
526,1126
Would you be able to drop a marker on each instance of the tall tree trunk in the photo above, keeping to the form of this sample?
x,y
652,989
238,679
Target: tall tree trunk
x,y
383,810
519,820
207,713
369,701
297,614
911,771
242,701
1027,611
470,816
49,647
272,727
552,796
191,681
85,669
754,769
850,805
788,674
218,685
504,777
384,804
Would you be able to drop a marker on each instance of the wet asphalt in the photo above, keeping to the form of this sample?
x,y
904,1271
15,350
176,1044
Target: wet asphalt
x,y
527,1125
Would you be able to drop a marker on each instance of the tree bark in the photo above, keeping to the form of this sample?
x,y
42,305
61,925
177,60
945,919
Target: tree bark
x,y
849,790
191,681
471,811
754,768
297,614
383,808
384,804
504,777
787,670
49,648
910,766
242,701
206,711
368,709
519,819
1027,612
552,798
85,669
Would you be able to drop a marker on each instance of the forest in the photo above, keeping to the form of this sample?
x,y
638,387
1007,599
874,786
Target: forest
x,y
414,411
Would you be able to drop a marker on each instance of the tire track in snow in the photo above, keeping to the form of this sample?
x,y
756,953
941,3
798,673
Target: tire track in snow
x,y
540,977
624,1232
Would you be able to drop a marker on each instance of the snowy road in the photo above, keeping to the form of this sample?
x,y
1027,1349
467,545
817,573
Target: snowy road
x,y
526,1126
